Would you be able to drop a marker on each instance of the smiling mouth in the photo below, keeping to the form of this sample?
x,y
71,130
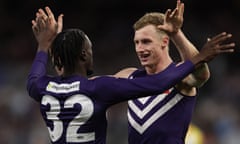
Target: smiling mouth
x,y
144,57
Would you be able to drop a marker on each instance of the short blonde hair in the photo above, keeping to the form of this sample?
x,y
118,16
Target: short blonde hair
x,y
153,18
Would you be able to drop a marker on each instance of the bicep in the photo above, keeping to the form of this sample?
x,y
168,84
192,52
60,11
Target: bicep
x,y
192,82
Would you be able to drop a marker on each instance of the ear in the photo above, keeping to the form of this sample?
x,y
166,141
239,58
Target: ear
x,y
60,71
165,41
83,56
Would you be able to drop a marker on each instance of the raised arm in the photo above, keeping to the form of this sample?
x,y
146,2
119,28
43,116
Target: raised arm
x,y
172,25
45,30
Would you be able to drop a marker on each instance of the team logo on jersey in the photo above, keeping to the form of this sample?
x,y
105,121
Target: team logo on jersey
x,y
63,87
140,111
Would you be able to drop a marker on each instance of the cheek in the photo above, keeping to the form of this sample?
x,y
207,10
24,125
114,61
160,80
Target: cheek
x,y
155,56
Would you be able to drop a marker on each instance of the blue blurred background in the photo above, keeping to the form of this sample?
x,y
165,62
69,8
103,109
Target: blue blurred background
x,y
109,23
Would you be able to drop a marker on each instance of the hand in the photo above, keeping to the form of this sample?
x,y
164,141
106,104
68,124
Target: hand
x,y
173,19
53,25
214,47
45,28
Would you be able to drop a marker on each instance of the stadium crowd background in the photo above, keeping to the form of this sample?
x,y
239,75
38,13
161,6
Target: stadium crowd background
x,y
109,25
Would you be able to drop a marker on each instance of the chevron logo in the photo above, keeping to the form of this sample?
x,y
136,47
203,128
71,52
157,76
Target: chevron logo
x,y
142,113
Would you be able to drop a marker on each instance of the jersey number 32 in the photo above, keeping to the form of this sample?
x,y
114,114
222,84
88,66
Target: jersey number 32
x,y
80,119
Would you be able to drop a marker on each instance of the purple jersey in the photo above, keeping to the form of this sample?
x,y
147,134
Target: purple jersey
x,y
74,108
159,119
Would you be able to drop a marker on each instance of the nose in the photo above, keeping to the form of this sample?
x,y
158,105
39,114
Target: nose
x,y
139,47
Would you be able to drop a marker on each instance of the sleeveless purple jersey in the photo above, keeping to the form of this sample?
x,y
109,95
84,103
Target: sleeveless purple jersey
x,y
74,108
159,119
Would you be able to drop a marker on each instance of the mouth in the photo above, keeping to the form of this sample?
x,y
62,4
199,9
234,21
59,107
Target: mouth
x,y
144,56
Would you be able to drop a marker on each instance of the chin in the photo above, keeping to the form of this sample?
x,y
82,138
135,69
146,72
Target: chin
x,y
147,64
144,64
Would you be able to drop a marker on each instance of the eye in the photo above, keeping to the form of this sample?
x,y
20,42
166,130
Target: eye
x,y
146,41
136,42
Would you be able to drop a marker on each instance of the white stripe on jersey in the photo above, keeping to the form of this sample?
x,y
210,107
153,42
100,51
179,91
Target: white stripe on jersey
x,y
141,113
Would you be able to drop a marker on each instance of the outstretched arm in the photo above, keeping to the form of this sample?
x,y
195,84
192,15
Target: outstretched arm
x,y
125,89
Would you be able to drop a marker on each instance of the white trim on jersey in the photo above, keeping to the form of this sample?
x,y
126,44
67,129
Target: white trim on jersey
x,y
141,113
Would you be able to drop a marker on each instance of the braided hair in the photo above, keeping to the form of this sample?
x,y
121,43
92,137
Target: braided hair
x,y
66,49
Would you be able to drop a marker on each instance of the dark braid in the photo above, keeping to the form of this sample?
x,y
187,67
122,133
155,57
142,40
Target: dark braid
x,y
66,49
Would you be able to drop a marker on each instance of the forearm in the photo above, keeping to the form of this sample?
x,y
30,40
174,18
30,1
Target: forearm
x,y
185,48
38,69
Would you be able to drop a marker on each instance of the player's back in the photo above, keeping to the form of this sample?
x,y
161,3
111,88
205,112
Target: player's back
x,y
71,111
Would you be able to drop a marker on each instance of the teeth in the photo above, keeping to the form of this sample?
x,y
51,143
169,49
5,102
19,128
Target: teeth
x,y
145,55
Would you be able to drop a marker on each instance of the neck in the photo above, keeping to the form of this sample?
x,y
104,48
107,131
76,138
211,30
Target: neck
x,y
74,73
77,71
160,66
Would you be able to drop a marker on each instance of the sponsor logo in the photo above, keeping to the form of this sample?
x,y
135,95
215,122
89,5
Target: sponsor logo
x,y
63,87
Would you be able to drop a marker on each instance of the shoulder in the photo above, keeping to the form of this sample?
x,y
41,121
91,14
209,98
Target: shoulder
x,y
125,73
93,77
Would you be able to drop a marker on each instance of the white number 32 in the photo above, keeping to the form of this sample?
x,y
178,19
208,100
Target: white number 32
x,y
86,112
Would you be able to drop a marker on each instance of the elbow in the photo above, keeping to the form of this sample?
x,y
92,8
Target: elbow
x,y
201,80
31,82
28,87
204,77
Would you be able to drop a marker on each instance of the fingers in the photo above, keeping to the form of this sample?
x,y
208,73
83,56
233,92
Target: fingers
x,y
181,9
34,27
48,21
43,14
51,17
174,13
178,4
38,23
168,13
218,39
227,48
217,36
49,12
216,43
60,23
41,23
